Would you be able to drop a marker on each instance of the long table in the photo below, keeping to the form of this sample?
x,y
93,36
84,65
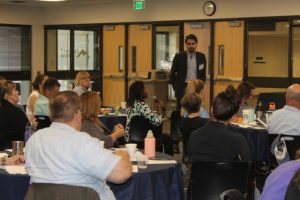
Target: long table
x,y
162,181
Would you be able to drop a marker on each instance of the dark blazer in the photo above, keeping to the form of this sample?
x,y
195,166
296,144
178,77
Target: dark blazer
x,y
179,71
12,124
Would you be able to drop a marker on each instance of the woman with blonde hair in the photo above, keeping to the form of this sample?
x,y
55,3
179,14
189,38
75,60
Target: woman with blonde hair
x,y
196,86
89,106
82,82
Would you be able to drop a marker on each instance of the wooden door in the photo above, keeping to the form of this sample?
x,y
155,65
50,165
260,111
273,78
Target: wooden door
x,y
113,65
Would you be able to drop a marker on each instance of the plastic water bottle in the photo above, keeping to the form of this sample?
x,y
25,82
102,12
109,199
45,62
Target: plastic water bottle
x,y
29,130
149,145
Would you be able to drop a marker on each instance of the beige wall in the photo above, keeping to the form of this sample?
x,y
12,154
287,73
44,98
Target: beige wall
x,y
123,12
28,16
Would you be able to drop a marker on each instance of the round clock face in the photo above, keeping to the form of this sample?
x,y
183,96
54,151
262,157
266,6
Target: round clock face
x,y
209,8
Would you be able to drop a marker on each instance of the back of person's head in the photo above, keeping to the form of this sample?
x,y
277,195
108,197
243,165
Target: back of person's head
x,y
244,89
136,92
64,106
196,85
80,76
191,102
293,93
90,105
191,37
38,81
293,190
226,104
50,84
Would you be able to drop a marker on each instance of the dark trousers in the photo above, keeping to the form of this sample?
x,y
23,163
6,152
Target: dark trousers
x,y
179,93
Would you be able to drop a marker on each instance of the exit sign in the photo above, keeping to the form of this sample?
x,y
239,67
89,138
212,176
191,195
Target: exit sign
x,y
139,5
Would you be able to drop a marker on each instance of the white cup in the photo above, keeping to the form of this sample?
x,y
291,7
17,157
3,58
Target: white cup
x,y
131,149
123,104
102,143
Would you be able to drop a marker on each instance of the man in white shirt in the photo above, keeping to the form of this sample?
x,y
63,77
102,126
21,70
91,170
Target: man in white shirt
x,y
287,120
61,154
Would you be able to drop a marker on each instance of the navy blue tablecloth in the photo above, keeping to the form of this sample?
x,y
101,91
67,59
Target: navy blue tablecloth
x,y
258,142
162,182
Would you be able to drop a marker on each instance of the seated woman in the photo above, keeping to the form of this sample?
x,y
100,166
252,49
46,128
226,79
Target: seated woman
x,y
245,90
191,103
12,119
90,105
137,106
197,86
215,142
82,82
37,90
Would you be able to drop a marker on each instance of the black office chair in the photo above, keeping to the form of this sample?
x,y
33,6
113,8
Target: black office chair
x,y
43,121
277,97
292,143
139,127
210,179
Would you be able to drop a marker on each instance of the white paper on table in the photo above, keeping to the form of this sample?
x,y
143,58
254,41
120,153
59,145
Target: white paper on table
x,y
156,162
14,169
135,168
3,155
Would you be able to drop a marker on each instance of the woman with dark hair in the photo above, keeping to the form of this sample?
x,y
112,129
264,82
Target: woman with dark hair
x,y
137,106
245,90
215,142
89,105
12,119
37,89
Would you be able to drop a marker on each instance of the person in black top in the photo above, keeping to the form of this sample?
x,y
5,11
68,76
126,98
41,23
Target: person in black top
x,y
191,102
215,142
12,119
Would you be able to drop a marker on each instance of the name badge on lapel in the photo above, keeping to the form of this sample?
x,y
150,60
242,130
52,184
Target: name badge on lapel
x,y
201,66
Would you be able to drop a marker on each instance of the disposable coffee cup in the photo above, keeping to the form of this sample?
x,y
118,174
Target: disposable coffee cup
x,y
131,149
18,147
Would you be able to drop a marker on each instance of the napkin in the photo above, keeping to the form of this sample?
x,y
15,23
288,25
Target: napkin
x,y
157,162
14,169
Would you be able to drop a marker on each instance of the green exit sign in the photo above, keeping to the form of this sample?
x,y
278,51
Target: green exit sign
x,y
139,5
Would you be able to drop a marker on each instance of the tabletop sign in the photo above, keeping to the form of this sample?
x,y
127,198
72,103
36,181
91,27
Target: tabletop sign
x,y
138,5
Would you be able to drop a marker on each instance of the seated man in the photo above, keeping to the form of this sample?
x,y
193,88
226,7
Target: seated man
x,y
49,90
287,120
61,154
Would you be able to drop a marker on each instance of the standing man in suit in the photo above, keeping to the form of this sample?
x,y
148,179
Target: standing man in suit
x,y
187,65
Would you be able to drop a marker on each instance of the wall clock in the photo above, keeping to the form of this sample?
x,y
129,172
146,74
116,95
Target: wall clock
x,y
209,8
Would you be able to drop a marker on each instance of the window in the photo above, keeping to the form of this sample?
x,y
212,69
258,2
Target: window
x,y
15,57
268,53
167,45
71,49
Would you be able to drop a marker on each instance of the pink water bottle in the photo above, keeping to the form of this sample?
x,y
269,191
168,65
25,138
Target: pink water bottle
x,y
149,145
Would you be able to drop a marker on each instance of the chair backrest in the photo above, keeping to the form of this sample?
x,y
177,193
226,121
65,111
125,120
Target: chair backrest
x,y
139,127
277,97
209,179
186,132
175,125
47,191
43,121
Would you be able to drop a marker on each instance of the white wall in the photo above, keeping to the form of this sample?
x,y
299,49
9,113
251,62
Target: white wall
x,y
156,10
